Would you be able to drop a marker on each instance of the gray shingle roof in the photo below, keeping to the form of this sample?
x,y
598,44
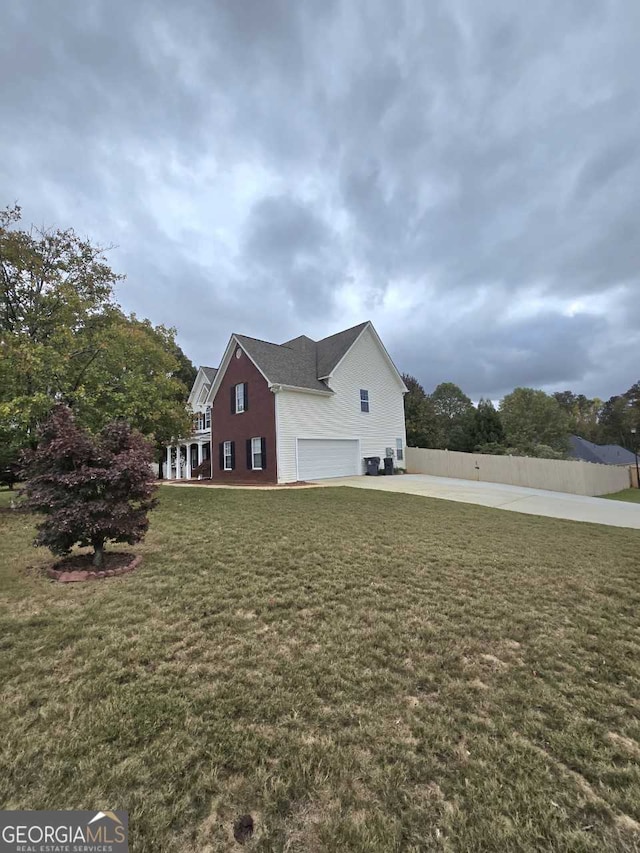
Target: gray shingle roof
x,y
605,454
209,372
332,349
301,361
292,364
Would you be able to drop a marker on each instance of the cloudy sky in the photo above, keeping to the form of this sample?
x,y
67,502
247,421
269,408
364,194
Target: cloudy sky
x,y
464,174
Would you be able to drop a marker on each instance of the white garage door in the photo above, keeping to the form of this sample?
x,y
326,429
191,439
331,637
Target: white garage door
x,y
319,458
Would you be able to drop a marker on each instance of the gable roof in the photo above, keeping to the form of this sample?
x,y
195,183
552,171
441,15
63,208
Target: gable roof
x,y
605,454
203,380
209,372
332,350
300,362
292,364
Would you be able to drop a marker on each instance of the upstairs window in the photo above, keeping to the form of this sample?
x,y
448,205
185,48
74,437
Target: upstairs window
x,y
239,398
364,400
207,418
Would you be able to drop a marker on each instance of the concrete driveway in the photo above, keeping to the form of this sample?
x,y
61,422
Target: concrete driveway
x,y
500,496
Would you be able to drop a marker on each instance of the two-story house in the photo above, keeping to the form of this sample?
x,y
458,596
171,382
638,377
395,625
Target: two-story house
x,y
184,457
301,410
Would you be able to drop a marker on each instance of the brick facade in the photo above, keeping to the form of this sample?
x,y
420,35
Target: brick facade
x,y
257,421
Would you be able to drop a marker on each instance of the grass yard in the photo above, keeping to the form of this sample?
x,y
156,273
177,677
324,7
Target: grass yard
x,y
359,671
630,495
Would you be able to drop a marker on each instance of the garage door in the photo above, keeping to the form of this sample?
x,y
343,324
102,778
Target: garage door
x,y
319,458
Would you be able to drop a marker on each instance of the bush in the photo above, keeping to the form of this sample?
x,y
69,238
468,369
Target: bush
x,y
90,489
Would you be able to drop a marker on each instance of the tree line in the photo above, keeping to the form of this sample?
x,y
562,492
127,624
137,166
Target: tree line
x,y
65,340
528,421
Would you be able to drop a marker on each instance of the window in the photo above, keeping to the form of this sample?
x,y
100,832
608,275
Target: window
x,y
364,400
207,418
228,455
239,398
399,449
256,454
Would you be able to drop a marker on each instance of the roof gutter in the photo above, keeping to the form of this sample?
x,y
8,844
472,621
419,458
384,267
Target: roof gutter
x,y
275,387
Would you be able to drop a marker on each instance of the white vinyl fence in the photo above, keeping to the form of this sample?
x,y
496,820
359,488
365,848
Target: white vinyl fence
x,y
578,478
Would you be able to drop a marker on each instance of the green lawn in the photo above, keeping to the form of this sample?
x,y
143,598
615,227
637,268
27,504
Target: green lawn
x,y
359,671
631,495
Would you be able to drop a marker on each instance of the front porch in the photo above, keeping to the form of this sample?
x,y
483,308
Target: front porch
x,y
185,456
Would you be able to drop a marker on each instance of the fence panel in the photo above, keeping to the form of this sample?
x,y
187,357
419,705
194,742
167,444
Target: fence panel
x,y
556,475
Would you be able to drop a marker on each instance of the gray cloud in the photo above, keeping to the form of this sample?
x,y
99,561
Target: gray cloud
x,y
465,177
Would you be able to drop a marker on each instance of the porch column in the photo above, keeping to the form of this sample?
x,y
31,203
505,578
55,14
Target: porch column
x,y
200,459
168,469
188,466
178,454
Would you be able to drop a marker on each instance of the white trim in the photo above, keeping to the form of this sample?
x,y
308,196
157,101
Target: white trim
x,y
276,416
224,364
200,380
237,409
336,366
225,454
275,387
253,454
376,337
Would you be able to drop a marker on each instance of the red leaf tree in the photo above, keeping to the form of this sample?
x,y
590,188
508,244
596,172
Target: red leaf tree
x,y
90,489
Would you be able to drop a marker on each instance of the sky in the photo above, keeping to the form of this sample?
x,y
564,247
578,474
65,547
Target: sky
x,y
465,175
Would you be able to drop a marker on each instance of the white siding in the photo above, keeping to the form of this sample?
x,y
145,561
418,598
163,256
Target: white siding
x,y
300,415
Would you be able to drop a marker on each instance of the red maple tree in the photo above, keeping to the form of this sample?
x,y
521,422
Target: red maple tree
x,y
90,489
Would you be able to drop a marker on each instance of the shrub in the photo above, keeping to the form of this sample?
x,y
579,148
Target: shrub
x,y
90,489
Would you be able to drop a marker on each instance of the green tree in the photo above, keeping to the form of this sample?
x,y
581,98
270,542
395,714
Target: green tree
x,y
452,410
582,412
64,339
137,360
56,295
531,417
619,415
419,415
487,426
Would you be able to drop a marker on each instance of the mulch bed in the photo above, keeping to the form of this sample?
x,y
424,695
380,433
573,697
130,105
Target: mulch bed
x,y
81,568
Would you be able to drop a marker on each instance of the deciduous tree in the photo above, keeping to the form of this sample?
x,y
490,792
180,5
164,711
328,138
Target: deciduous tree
x,y
452,409
531,417
487,429
582,412
419,415
64,339
89,490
